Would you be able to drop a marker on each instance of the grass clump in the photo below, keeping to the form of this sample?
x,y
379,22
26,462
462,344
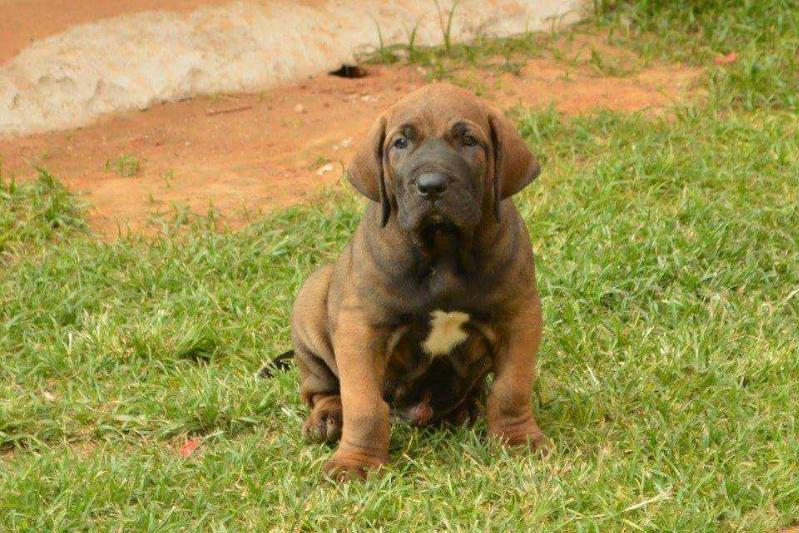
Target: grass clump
x,y
441,62
125,165
34,213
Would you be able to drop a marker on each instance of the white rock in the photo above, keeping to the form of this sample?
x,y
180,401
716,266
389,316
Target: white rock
x,y
324,169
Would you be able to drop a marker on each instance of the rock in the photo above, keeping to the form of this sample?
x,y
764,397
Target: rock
x,y
324,169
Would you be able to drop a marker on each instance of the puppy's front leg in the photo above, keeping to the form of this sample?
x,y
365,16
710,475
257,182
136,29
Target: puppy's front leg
x,y
361,366
509,409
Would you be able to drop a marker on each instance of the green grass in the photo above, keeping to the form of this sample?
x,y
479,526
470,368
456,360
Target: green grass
x,y
669,370
763,33
125,165
442,62
507,54
34,213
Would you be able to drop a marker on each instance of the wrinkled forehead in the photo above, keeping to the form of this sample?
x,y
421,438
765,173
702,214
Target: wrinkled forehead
x,y
433,114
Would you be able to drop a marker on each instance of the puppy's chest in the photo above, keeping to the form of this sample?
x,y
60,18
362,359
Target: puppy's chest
x,y
439,334
445,331
437,359
442,317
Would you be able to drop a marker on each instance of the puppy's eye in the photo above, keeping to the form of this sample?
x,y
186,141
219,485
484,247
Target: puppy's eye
x,y
468,140
401,143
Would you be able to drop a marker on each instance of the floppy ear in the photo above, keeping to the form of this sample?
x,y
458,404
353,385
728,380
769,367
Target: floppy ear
x,y
366,170
514,164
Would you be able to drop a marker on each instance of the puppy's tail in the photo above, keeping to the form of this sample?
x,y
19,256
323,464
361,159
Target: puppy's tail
x,y
281,362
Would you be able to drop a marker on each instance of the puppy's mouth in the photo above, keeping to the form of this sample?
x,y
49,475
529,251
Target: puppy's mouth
x,y
437,231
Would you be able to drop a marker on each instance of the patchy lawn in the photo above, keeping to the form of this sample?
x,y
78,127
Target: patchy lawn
x,y
669,370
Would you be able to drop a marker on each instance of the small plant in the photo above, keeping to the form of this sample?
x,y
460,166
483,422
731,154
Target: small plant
x,y
319,161
446,29
383,54
596,60
470,83
125,165
168,175
33,212
413,52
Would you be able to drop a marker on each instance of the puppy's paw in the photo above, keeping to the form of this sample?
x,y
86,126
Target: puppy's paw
x,y
352,466
530,436
325,421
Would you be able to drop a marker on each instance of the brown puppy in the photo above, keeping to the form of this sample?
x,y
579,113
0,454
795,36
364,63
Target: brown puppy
x,y
436,289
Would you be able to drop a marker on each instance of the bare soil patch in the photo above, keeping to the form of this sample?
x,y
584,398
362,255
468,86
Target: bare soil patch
x,y
244,154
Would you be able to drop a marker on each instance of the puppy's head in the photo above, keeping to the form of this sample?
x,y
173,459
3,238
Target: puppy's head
x,y
443,160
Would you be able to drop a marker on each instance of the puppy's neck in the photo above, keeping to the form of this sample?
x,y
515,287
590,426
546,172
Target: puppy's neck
x,y
457,253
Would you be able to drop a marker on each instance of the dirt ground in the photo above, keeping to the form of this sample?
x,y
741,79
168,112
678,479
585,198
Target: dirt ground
x,y
244,154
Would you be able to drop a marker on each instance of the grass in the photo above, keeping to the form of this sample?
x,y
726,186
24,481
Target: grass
x,y
442,62
33,213
764,35
125,165
669,369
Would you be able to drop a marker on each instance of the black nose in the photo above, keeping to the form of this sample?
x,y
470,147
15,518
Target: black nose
x,y
431,184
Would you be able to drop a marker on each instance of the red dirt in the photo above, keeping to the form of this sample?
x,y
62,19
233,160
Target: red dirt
x,y
247,153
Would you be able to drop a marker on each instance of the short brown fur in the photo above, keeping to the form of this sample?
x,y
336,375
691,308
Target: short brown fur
x,y
358,324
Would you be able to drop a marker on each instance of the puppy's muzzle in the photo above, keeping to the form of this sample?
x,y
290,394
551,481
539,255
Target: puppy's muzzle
x,y
431,185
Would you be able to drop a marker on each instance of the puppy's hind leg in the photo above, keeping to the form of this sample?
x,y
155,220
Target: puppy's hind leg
x,y
319,384
325,420
320,390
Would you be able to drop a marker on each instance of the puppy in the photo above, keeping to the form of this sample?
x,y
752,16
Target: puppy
x,y
435,291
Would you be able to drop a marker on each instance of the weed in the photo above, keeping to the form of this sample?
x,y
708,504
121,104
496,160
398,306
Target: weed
x,y
125,165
